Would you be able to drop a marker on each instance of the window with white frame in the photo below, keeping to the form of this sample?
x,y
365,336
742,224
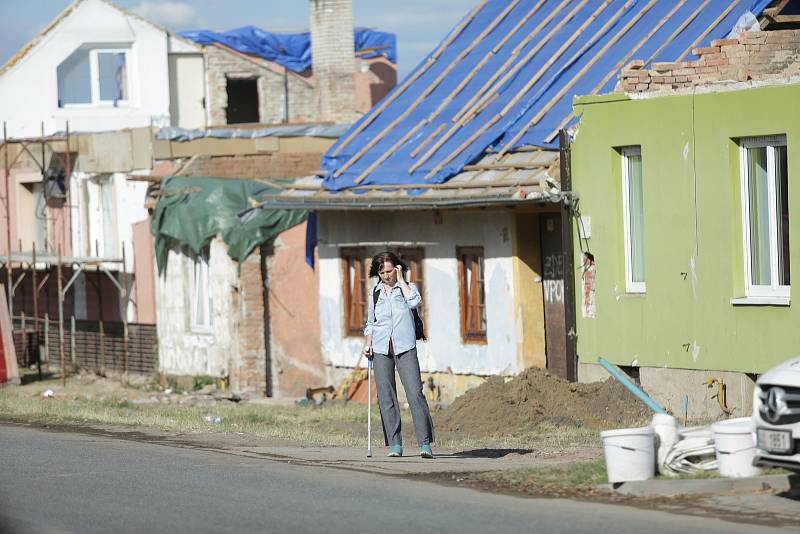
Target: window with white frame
x,y
765,216
200,303
633,219
94,77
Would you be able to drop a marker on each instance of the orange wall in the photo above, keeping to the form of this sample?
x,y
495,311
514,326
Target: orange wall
x,y
144,289
294,316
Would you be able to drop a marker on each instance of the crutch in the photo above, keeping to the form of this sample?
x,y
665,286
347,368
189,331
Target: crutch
x,y
369,407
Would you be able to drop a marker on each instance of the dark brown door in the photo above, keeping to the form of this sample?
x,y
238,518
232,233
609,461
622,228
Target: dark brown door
x,y
554,295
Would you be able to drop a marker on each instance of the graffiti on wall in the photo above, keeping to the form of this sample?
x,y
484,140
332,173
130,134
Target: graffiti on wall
x,y
588,307
554,278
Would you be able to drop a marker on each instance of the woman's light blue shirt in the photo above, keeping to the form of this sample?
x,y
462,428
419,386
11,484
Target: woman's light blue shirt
x,y
392,319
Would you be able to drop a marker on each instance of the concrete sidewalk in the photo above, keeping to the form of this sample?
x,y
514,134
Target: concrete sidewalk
x,y
668,488
445,461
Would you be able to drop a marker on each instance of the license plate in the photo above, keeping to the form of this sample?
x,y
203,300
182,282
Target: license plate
x,y
778,441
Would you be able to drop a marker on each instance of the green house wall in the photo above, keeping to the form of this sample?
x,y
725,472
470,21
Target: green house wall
x,y
693,230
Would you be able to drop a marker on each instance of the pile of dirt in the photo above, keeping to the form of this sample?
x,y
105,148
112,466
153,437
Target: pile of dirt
x,y
534,397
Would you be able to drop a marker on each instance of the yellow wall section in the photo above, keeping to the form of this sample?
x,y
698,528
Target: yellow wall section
x,y
528,297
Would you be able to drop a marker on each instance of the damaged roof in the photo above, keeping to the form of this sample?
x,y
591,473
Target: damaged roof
x,y
526,176
504,79
293,50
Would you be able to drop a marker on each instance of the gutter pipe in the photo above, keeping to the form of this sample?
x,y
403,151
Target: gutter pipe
x,y
622,378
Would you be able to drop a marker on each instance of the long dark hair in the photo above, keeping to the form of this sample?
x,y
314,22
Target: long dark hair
x,y
382,257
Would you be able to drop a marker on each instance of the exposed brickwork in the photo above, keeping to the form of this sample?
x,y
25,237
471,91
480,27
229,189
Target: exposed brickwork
x,y
273,165
248,307
332,52
752,56
224,64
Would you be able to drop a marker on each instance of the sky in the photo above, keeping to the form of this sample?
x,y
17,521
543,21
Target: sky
x,y
418,24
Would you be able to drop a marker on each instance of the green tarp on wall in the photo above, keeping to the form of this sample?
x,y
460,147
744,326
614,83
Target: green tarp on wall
x,y
192,210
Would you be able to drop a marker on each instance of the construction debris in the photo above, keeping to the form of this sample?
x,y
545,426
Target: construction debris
x,y
502,406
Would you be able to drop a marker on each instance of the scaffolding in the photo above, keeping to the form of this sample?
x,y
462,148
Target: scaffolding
x,y
30,262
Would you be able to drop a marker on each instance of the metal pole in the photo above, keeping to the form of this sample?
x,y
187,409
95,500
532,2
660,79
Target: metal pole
x,y
100,312
68,211
36,311
72,342
124,314
9,274
24,336
285,95
61,322
47,336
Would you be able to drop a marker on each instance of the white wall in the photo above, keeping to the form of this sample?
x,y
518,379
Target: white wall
x,y
444,349
29,89
89,218
182,351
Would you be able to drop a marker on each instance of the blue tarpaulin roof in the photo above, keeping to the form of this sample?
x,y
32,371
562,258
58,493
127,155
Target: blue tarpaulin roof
x,y
293,50
505,77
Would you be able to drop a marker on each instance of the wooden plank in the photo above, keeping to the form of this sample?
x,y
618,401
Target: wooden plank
x,y
542,112
557,55
482,62
399,90
708,30
428,90
436,132
544,68
462,146
467,113
620,64
519,25
383,157
490,84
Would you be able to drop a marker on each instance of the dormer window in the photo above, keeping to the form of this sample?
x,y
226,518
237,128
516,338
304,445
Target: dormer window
x,y
94,76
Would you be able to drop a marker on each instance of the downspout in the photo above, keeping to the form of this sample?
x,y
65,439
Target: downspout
x,y
567,250
265,250
285,95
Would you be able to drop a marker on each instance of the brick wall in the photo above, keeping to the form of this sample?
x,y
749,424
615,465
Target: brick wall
x,y
333,52
248,305
224,64
275,165
752,56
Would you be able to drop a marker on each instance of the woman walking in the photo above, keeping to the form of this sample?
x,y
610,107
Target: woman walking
x,y
391,342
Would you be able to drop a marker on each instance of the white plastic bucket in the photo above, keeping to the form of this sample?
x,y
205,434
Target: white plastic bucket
x,y
735,444
630,454
665,428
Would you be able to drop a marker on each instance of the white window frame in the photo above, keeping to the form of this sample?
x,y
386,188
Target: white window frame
x,y
199,273
769,142
94,82
631,286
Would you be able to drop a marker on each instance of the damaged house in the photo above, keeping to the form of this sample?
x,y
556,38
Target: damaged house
x,y
464,170
93,82
693,222
236,298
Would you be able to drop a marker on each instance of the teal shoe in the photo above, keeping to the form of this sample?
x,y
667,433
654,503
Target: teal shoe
x,y
425,451
395,451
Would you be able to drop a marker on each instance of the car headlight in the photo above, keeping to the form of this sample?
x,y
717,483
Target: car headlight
x,y
756,398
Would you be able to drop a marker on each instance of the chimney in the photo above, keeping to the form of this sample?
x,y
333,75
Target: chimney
x,y
333,59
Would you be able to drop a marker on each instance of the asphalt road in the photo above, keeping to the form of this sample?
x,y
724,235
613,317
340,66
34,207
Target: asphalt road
x,y
53,482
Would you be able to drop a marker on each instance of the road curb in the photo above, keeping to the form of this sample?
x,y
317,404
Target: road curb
x,y
665,488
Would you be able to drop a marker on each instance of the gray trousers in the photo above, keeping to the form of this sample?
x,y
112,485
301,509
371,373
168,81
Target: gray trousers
x,y
407,366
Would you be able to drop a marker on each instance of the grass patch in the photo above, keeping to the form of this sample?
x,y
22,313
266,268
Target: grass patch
x,y
334,423
574,475
315,427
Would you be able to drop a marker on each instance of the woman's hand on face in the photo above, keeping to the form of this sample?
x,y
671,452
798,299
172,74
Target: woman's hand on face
x,y
400,277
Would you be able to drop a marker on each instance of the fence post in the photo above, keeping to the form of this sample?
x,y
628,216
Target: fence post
x,y
72,341
47,338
